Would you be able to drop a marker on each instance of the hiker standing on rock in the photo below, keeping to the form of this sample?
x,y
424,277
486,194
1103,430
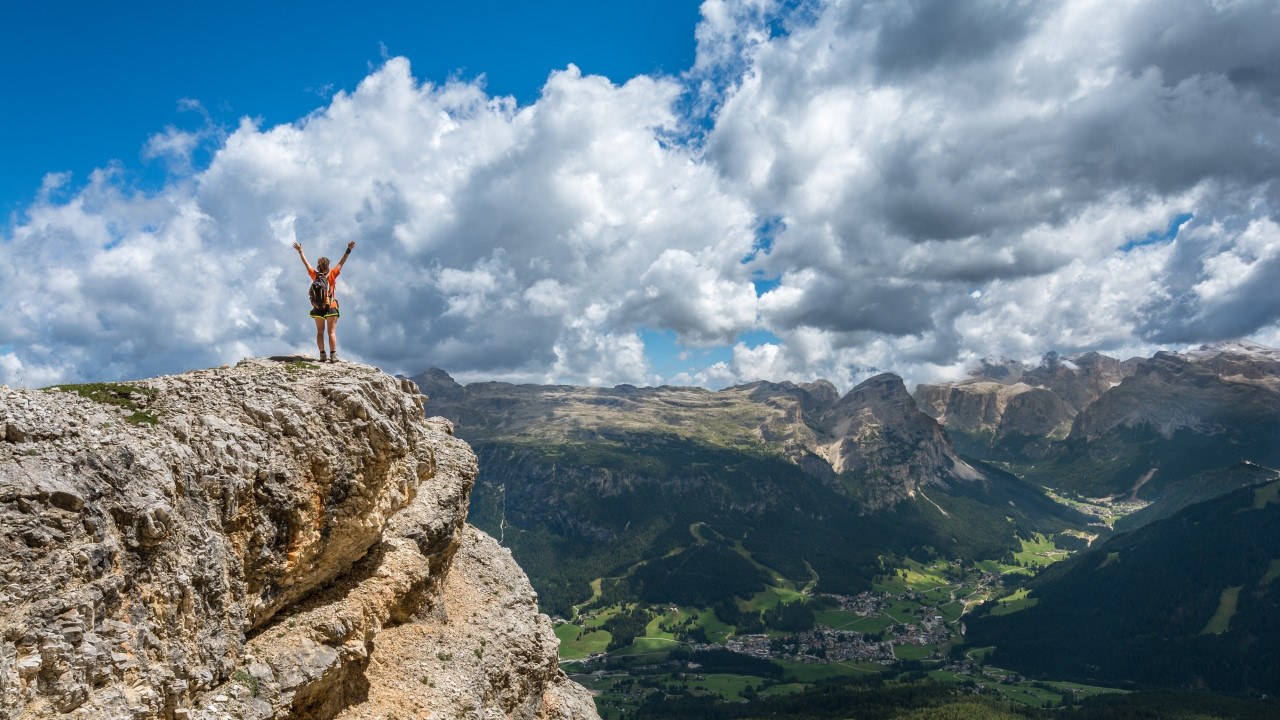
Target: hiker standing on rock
x,y
324,303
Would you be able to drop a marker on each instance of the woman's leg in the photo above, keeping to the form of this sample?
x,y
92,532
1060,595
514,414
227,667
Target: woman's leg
x,y
333,334
320,334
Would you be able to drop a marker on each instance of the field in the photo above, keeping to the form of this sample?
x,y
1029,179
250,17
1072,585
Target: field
x,y
576,642
1039,552
802,673
1273,572
909,619
912,652
729,687
1014,602
1221,619
845,620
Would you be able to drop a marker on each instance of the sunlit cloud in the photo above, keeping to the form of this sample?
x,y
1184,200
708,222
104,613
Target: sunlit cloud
x,y
905,187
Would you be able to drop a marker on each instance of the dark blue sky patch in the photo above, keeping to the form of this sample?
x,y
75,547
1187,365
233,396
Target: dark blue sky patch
x,y
1156,237
764,285
766,232
124,71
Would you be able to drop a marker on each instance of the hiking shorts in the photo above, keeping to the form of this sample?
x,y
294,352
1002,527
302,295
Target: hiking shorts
x,y
331,312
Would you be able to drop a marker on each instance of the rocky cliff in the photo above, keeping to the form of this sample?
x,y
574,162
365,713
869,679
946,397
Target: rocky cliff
x,y
273,540
1178,417
1209,391
878,433
1008,410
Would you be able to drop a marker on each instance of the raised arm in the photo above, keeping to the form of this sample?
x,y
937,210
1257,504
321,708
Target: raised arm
x,y
350,246
298,246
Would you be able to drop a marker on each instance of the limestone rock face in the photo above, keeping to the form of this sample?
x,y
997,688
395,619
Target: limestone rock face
x,y
814,397
876,431
236,542
879,433
1208,391
490,654
438,384
1038,412
1010,410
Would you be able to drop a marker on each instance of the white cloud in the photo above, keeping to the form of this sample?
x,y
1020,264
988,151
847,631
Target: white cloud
x,y
593,356
701,302
960,179
945,181
491,238
716,375
763,362
548,297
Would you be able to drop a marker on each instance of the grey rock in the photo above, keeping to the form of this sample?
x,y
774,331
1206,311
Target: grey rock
x,y
878,432
1007,403
240,557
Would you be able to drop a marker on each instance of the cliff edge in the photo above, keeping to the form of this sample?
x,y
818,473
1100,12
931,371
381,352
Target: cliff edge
x,y
277,539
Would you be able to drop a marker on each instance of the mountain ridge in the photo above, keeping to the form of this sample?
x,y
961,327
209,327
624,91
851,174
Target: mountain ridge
x,y
806,422
623,467
810,482
1185,601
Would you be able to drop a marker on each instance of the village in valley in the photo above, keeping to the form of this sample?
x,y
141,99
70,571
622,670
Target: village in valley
x,y
908,622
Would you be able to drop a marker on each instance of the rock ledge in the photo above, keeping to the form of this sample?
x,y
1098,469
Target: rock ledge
x,y
256,542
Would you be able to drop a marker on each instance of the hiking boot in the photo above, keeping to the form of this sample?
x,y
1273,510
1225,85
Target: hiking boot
x,y
333,356
322,357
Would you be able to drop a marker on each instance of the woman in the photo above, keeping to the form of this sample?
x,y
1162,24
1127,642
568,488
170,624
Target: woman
x,y
326,316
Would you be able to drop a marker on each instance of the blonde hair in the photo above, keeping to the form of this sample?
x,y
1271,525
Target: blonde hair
x,y
322,265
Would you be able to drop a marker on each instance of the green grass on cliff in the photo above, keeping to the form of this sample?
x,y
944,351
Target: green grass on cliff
x,y
128,397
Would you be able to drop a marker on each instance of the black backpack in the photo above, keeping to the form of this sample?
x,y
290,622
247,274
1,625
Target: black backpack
x,y
320,294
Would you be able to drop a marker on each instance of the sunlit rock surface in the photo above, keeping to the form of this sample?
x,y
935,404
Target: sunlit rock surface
x,y
254,542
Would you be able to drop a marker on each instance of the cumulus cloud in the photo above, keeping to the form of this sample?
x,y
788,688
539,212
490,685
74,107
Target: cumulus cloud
x,y
964,179
939,181
494,240
1222,284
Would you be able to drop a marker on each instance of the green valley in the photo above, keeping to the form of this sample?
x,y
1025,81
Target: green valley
x,y
787,639
1186,601
778,543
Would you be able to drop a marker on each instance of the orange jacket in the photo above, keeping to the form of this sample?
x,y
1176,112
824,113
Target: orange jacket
x,y
333,281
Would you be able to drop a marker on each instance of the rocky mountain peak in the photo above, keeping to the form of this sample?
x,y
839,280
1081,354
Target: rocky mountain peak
x,y
882,399
277,539
1245,348
1009,410
439,385
814,396
878,433
1205,390
883,391
1095,363
1238,358
1000,370
823,392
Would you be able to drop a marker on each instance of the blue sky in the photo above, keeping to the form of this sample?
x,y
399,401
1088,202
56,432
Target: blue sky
x,y
89,82
654,192
104,77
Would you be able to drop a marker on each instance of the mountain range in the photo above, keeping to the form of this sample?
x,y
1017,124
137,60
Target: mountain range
x,y
585,483
1100,427
685,495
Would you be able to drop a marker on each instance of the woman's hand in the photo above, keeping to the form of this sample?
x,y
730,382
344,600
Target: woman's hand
x,y
351,246
297,246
